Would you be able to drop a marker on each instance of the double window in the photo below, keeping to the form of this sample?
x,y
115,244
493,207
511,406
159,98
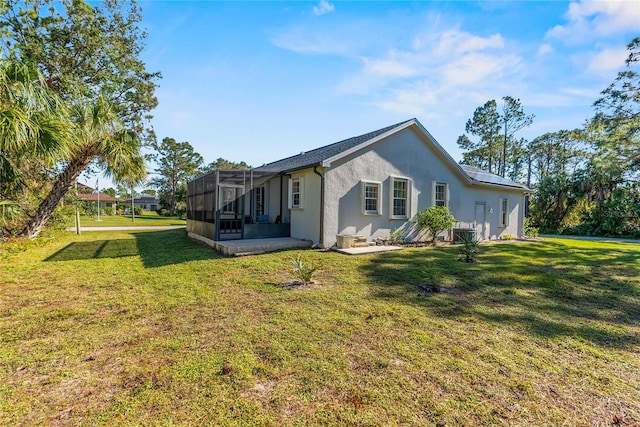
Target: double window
x,y
371,195
399,198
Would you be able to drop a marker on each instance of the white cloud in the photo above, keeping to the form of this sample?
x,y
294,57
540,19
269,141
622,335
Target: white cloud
x,y
607,60
323,7
300,41
545,49
458,43
591,20
451,58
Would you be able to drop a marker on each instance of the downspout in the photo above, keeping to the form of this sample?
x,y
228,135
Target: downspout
x,y
315,170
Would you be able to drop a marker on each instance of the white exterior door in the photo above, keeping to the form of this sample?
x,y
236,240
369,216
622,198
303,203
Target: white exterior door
x,y
481,220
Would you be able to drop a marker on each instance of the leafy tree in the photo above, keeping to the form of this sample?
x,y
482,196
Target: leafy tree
x,y
110,191
496,150
34,134
177,162
512,119
555,198
485,124
554,153
149,192
89,57
223,164
618,116
435,220
33,125
83,51
609,180
98,134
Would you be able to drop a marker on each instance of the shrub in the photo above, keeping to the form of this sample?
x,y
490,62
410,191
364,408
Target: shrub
x,y
138,211
396,236
302,271
108,211
529,229
435,220
469,248
164,212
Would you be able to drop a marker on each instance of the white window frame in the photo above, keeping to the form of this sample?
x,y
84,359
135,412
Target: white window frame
x,y
300,193
378,199
440,202
393,198
232,203
260,195
504,212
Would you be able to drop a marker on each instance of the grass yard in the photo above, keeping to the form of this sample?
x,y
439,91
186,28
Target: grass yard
x,y
149,328
148,219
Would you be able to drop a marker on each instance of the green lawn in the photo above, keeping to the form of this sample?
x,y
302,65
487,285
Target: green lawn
x,y
148,219
149,328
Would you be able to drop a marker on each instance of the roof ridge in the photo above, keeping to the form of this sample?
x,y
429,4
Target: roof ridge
x,y
361,138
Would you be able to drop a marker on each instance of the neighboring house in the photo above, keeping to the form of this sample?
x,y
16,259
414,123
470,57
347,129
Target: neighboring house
x,y
369,185
146,202
91,198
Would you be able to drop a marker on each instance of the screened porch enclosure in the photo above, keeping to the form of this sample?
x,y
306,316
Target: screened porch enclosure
x,y
230,205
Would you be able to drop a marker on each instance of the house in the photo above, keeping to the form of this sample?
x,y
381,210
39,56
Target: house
x,y
369,185
147,202
91,198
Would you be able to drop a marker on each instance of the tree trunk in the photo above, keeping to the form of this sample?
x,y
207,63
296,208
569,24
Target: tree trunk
x,y
504,152
62,185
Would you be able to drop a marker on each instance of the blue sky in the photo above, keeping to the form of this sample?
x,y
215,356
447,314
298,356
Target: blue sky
x,y
258,81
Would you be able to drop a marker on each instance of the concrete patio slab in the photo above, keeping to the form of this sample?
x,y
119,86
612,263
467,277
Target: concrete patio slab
x,y
253,246
367,250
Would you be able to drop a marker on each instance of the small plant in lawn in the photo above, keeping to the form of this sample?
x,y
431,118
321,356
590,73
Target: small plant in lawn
x,y
507,236
302,270
469,248
435,220
396,236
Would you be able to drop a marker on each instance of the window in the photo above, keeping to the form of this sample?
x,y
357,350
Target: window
x,y
229,199
440,194
259,201
504,212
371,198
399,197
296,193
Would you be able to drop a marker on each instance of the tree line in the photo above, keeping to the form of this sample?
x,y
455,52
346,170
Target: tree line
x,y
585,180
74,97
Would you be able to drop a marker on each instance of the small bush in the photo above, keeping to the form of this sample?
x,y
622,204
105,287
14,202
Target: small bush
x,y
470,247
164,212
302,271
435,220
397,236
138,211
529,229
108,211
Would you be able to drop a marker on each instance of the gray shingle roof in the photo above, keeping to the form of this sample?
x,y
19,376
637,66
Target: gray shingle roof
x,y
315,157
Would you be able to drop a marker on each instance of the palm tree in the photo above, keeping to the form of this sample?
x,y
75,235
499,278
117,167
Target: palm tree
x,y
98,135
34,131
